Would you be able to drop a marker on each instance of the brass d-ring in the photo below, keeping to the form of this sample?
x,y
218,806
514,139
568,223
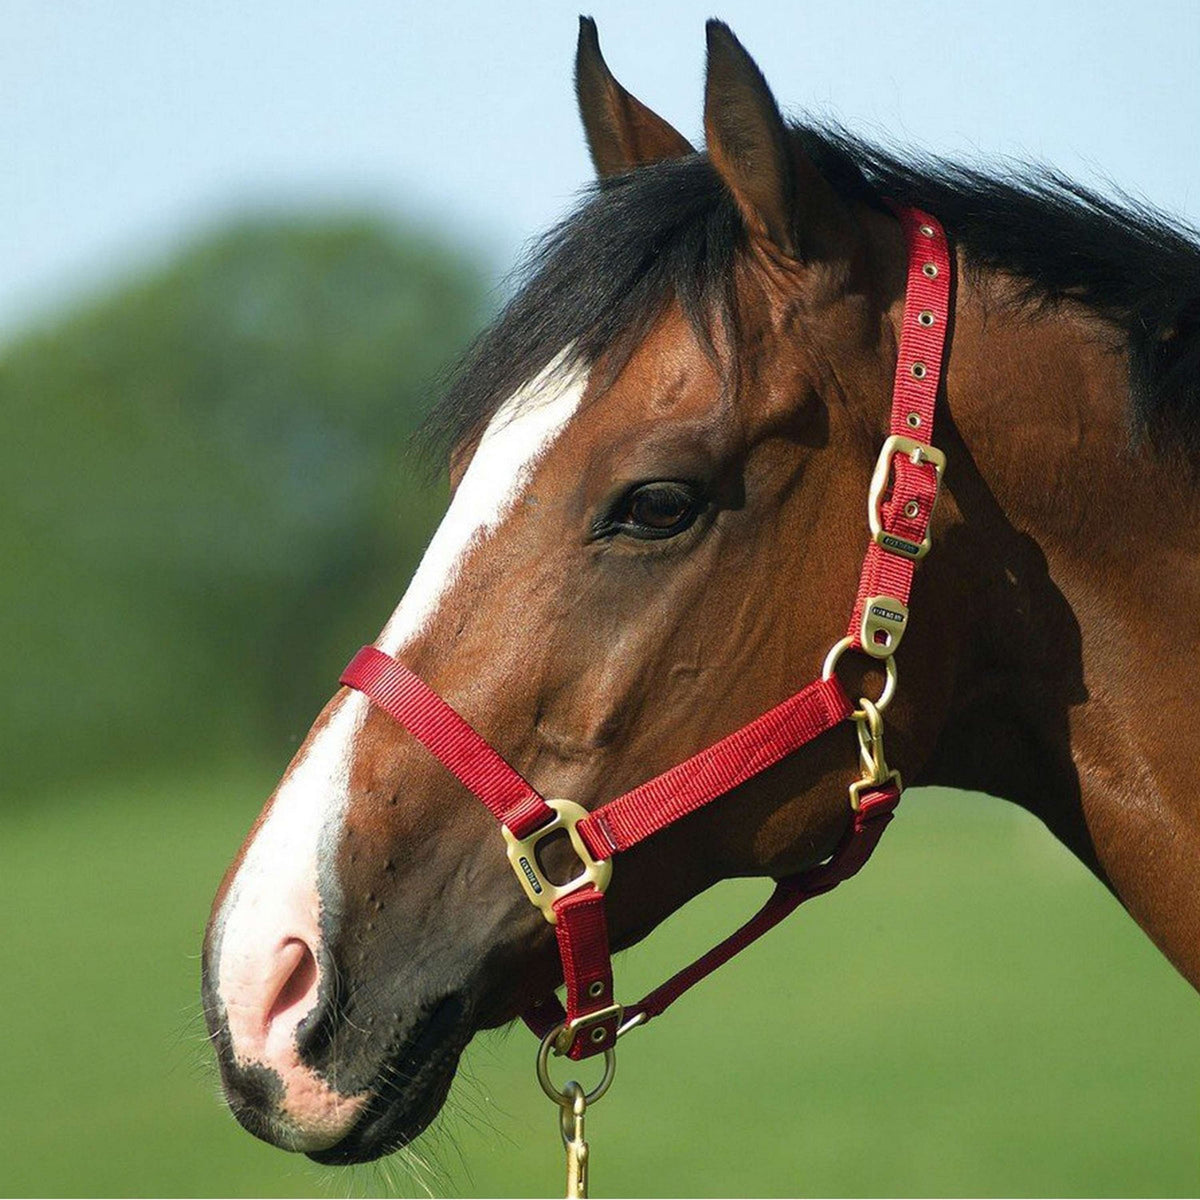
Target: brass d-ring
x,y
889,684
564,1098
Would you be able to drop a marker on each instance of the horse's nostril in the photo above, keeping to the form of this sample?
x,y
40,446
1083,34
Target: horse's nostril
x,y
297,977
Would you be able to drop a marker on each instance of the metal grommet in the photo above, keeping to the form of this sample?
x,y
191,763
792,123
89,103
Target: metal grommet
x,y
596,988
598,1034
543,1070
914,420
925,318
930,269
911,509
918,370
927,230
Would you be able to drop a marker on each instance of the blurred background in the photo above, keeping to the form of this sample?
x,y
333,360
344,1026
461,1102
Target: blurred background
x,y
240,242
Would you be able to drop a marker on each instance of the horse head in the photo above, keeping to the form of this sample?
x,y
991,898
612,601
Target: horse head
x,y
659,456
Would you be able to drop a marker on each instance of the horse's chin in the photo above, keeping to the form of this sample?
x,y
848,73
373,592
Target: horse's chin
x,y
408,1092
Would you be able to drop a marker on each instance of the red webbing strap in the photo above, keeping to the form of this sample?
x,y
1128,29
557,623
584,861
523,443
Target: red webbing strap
x,y
858,843
654,805
691,784
420,710
914,398
904,510
581,926
582,932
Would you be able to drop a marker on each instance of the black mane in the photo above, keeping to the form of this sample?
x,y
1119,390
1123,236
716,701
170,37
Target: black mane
x,y
601,277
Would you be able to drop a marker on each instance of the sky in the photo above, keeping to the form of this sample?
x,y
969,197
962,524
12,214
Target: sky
x,y
129,127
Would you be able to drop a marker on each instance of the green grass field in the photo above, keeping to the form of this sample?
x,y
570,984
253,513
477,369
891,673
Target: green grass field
x,y
972,1015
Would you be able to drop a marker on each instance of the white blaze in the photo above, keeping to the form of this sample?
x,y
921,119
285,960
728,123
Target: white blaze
x,y
275,895
515,440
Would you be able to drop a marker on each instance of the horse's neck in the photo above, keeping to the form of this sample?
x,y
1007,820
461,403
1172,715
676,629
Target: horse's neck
x,y
1075,579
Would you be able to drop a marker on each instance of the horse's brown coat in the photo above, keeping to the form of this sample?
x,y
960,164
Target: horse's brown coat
x,y
1050,622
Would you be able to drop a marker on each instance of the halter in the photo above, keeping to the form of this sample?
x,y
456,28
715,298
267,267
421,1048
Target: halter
x,y
900,503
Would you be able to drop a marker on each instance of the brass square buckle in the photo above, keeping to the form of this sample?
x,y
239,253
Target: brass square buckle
x,y
522,854
918,452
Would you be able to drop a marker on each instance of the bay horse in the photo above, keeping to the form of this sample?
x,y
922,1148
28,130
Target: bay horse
x,y
659,455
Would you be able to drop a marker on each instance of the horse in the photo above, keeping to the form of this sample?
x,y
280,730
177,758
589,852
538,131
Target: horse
x,y
658,456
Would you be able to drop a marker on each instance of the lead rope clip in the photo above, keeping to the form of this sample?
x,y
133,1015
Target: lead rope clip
x,y
868,722
572,1103
571,1118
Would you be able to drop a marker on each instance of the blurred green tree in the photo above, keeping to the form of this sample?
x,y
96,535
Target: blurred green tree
x,y
206,502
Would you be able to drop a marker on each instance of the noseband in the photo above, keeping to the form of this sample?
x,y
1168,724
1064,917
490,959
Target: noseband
x,y
903,490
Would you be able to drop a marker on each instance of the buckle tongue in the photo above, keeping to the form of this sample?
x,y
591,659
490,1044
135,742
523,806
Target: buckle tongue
x,y
522,855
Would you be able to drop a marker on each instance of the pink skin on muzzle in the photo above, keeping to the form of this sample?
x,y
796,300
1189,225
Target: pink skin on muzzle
x,y
268,939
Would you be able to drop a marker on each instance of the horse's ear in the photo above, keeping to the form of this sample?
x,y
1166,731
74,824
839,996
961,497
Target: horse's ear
x,y
622,133
782,196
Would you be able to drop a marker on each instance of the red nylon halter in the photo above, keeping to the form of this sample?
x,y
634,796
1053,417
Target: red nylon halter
x,y
900,505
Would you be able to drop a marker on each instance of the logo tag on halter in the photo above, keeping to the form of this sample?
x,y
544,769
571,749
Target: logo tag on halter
x,y
531,875
902,545
884,621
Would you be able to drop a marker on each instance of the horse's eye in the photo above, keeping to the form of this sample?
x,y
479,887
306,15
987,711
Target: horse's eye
x,y
657,510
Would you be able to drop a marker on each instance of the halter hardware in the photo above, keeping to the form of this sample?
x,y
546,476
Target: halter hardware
x,y
568,1031
563,1096
891,671
884,621
574,1139
901,498
572,1103
917,453
868,724
522,854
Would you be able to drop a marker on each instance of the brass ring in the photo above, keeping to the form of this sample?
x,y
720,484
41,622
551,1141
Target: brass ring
x,y
562,1098
889,684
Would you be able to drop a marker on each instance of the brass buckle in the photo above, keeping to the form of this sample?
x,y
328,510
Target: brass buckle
x,y
559,1038
565,1035
918,452
884,620
522,854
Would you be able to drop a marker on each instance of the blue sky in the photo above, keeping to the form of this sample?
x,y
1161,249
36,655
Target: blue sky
x,y
128,126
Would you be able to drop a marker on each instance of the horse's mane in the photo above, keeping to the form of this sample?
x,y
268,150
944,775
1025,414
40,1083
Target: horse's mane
x,y
597,280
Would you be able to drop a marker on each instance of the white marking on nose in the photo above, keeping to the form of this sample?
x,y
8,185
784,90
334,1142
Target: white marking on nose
x,y
275,898
517,437
274,902
275,891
